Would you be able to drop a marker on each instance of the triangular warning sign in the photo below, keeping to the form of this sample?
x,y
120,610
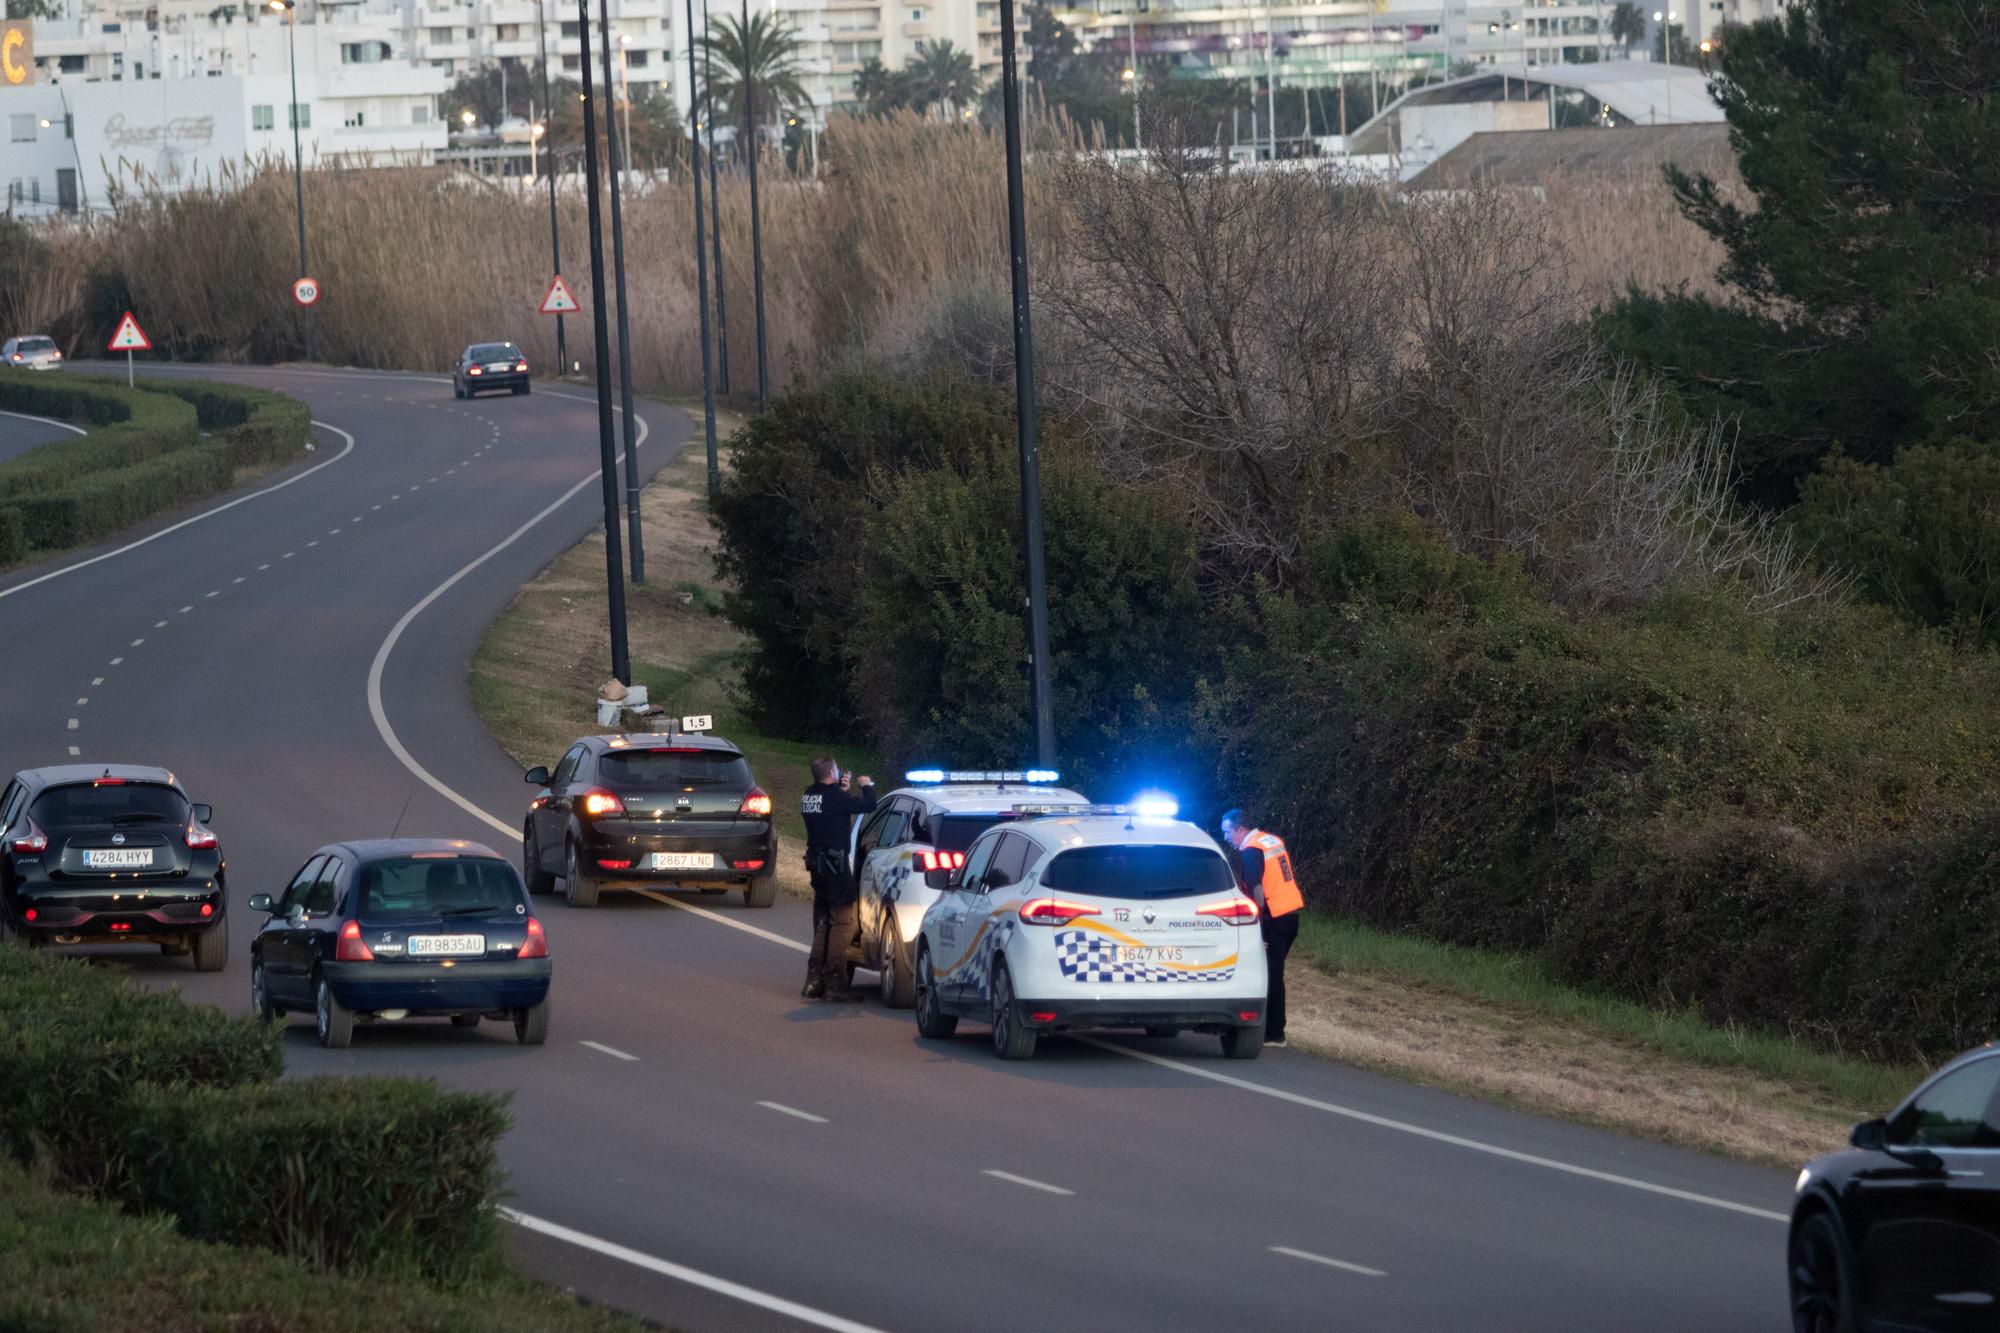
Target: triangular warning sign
x,y
130,337
559,301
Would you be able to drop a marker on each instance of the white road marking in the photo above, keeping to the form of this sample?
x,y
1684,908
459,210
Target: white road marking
x,y
204,514
262,568
794,1111
159,624
609,1050
1013,1179
184,610
1438,1136
116,660
1341,1264
357,518
288,555
434,479
239,578
213,592
729,921
74,751
763,1300
374,507
82,700
97,680
313,542
333,532
137,642
72,724
47,421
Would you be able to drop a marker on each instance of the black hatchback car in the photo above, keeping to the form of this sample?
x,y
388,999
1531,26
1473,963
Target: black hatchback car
x,y
488,366
1902,1230
111,854
674,811
397,928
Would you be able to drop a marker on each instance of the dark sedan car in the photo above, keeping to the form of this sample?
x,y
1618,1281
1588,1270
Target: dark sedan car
x,y
484,367
1902,1230
111,854
399,928
668,811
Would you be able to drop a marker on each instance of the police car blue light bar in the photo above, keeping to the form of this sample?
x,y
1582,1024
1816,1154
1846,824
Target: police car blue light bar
x,y
1155,805
1029,775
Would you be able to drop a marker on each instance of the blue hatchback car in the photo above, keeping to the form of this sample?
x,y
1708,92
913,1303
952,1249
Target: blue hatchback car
x,y
383,930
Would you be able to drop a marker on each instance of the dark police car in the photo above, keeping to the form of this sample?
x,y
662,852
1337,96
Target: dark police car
x,y
485,366
1902,1230
105,854
680,810
400,928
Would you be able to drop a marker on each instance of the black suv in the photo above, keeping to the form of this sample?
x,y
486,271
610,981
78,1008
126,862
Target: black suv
x,y
103,854
677,811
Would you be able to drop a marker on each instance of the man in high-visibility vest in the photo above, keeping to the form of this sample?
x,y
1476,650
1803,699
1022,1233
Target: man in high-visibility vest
x,y
1268,879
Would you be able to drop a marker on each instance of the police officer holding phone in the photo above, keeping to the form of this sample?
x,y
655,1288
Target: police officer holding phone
x,y
828,808
1268,879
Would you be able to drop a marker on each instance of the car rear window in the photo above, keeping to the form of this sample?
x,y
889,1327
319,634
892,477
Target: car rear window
x,y
428,885
954,833
493,351
38,344
675,767
113,803
1139,872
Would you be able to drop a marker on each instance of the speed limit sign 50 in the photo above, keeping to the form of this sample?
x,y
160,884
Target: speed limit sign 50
x,y
305,291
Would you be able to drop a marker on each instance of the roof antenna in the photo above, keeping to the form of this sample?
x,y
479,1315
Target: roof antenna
x,y
399,818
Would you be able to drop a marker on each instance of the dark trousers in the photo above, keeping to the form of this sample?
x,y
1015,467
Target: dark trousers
x,y
833,931
1280,934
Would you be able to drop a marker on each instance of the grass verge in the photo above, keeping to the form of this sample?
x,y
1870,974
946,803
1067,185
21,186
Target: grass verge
x,y
1488,1024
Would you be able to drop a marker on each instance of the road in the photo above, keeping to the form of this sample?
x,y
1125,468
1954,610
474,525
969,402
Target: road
x,y
20,432
726,1156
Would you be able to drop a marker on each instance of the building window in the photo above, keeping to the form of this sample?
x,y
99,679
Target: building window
x,y
637,59
916,16
263,118
575,62
570,31
363,53
70,64
420,113
356,121
301,117
511,32
23,128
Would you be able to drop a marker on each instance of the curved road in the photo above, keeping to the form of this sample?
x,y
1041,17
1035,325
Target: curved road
x,y
20,432
695,1144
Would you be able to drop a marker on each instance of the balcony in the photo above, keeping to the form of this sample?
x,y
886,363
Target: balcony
x,y
920,29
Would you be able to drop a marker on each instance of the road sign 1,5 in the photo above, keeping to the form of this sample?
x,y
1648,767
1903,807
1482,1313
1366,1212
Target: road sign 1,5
x,y
560,300
130,337
305,291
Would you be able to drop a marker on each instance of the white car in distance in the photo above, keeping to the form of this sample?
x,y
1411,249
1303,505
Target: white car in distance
x,y
35,351
904,853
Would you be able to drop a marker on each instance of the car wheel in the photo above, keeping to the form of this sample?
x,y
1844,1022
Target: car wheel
x,y
1243,1043
1012,1040
465,1020
260,996
579,889
539,880
211,948
932,1020
1822,1286
899,982
335,1024
531,1025
761,892
457,390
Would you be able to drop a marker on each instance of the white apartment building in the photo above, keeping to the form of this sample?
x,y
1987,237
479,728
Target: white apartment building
x,y
838,37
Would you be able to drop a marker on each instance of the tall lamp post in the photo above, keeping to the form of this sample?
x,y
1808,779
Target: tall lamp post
x,y
707,126
1131,77
1024,403
701,278
548,137
638,545
290,8
1666,21
756,217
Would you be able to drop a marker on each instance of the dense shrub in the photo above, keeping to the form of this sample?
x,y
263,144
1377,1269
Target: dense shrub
x,y
376,1173
261,426
13,536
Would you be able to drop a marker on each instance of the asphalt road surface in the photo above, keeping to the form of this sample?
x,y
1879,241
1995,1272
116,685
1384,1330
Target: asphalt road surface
x,y
694,1143
20,432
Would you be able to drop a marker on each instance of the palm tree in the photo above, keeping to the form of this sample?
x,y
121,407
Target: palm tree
x,y
1628,26
769,50
942,74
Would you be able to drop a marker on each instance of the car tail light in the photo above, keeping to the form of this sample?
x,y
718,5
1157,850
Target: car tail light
x,y
1046,1016
1246,1016
1054,911
929,862
31,915
107,782
121,925
474,370
34,840
200,838
208,909
746,865
1230,909
538,941
351,948
521,366
755,802
599,802
605,864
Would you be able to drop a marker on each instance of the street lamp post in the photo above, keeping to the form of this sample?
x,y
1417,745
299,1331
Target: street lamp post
x,y
291,11
707,126
756,217
548,137
1666,21
625,93
638,546
701,278
1132,78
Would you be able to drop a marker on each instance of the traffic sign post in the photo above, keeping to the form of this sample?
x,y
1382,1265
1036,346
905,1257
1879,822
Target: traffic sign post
x,y
128,339
559,300
305,291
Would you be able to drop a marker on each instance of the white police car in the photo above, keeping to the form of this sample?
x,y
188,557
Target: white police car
x,y
905,852
1111,916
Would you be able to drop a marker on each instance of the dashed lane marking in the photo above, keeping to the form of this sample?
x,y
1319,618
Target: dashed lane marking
x,y
794,1112
1013,1179
612,1051
1341,1264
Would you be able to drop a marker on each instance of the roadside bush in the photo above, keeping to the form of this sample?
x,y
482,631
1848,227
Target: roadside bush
x,y
387,1174
260,426
13,536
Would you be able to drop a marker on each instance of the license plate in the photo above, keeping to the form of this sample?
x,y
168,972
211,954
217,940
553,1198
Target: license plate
x,y
445,946
683,860
1152,953
118,858
500,365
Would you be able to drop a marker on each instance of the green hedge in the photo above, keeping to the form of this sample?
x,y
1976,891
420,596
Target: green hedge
x,y
390,1174
132,426
13,536
68,1265
261,426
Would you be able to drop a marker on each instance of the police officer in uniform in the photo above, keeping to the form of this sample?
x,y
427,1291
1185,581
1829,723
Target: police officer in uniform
x,y
1268,879
829,807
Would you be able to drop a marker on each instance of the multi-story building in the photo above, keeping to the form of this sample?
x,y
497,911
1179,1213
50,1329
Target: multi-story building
x,y
838,37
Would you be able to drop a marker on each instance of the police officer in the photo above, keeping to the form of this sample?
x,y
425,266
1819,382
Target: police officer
x,y
1267,878
829,807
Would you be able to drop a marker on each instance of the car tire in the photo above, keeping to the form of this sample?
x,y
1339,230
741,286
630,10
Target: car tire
x,y
899,979
579,889
1243,1043
260,995
761,892
531,1025
457,389
932,1020
335,1024
1821,1276
211,947
538,879
465,1020
1012,1040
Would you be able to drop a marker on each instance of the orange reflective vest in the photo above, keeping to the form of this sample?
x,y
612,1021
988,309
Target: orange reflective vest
x,y
1280,888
